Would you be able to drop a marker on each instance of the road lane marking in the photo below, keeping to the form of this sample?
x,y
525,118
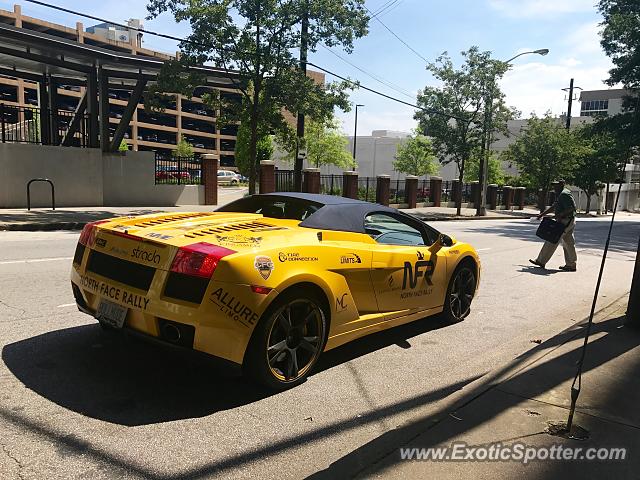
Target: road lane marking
x,y
35,260
64,305
482,249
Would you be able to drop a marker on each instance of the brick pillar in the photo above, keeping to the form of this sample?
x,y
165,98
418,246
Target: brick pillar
x,y
210,178
311,180
350,184
475,193
411,190
492,196
267,176
519,197
507,196
435,195
382,189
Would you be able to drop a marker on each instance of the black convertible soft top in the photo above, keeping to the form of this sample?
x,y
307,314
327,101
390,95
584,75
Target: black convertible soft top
x,y
331,212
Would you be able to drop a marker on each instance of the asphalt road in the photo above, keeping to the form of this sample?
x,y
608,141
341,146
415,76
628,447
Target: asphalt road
x,y
76,403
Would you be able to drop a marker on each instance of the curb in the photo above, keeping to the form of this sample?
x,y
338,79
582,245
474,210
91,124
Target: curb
x,y
41,227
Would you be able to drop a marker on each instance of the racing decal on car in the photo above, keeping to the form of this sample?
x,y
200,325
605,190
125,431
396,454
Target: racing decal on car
x,y
238,240
151,257
114,293
264,266
341,303
159,236
422,268
350,258
101,242
233,308
295,257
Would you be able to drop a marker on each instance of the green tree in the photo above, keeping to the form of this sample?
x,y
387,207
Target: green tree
x,y
264,148
258,40
495,171
415,157
599,164
324,142
545,151
621,41
452,114
183,149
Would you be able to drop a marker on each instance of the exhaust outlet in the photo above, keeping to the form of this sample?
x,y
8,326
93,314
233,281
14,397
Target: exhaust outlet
x,y
171,333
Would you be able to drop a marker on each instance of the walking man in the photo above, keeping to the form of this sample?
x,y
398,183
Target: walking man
x,y
565,213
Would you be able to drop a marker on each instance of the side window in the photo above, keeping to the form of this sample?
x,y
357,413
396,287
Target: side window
x,y
389,230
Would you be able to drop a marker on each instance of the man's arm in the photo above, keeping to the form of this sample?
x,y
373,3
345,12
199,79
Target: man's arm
x,y
548,210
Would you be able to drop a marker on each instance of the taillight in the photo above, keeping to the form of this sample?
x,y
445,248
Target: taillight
x,y
199,259
88,235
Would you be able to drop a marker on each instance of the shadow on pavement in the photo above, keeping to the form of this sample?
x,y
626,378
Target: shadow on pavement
x,y
591,234
129,382
542,377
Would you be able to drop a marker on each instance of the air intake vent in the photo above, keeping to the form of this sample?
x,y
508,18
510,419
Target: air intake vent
x,y
228,228
172,218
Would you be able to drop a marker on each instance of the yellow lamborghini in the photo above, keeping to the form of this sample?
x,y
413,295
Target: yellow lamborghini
x,y
269,282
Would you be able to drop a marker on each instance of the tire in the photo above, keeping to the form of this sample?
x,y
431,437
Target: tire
x,y
460,293
287,341
234,182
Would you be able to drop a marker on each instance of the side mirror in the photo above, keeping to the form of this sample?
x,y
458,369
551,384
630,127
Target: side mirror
x,y
445,240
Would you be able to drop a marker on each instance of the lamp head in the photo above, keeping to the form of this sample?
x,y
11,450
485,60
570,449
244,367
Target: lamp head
x,y
542,51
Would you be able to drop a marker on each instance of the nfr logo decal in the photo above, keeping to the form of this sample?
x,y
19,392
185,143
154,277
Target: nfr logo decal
x,y
422,268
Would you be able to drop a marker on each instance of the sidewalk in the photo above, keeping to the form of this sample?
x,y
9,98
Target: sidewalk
x,y
74,218
515,404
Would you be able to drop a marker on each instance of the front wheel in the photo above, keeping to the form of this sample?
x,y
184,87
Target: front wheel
x,y
287,342
462,288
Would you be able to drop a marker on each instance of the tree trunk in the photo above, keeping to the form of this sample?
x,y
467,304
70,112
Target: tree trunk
x,y
458,194
588,202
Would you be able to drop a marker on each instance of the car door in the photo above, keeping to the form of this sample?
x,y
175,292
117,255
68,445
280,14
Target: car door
x,y
408,273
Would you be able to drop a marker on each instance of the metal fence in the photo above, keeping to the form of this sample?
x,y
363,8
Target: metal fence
x,y
331,184
29,125
284,181
172,170
367,189
396,191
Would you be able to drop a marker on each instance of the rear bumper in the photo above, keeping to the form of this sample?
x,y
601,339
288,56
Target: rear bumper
x,y
228,366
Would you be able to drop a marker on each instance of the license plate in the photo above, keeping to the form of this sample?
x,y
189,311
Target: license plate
x,y
111,313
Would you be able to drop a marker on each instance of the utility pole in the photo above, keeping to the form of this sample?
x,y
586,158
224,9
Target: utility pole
x,y
297,174
569,105
355,131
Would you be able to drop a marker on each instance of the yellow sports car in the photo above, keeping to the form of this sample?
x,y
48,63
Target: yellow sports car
x,y
269,282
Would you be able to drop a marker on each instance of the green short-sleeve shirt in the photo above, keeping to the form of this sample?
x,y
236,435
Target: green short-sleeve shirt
x,y
565,201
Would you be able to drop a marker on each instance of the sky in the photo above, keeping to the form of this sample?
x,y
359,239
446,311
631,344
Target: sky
x,y
568,28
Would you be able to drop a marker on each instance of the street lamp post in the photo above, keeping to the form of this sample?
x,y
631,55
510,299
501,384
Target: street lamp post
x,y
481,208
355,132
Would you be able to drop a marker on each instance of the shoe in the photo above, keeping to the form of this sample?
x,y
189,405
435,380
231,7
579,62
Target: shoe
x,y
566,268
536,263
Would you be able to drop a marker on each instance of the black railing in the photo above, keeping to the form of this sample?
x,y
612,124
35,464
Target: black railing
x,y
171,170
331,184
396,191
284,181
424,191
367,189
29,125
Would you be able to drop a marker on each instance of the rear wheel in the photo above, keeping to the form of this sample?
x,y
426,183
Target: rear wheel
x,y
288,341
462,288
